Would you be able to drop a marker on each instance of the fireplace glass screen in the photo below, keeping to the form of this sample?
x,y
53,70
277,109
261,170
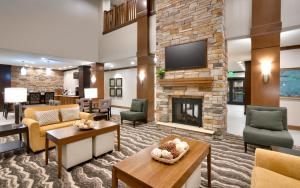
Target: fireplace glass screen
x,y
187,111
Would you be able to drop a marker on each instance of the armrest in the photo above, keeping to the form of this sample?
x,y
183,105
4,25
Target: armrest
x,y
285,164
87,116
33,130
31,124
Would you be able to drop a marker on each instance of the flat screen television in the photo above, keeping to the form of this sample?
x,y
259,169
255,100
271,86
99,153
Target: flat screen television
x,y
186,56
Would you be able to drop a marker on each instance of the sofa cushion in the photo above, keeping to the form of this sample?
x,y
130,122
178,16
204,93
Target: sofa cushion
x,y
265,178
69,114
54,126
136,106
47,117
265,137
270,120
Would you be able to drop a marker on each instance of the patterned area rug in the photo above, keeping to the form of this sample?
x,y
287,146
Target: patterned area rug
x,y
231,167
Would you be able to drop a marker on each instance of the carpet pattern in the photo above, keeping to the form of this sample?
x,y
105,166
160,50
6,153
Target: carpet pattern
x,y
231,167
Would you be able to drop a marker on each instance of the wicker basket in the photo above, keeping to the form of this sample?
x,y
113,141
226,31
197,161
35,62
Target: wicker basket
x,y
170,161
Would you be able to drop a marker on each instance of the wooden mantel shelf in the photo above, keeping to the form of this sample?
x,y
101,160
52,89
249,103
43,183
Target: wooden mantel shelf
x,y
201,82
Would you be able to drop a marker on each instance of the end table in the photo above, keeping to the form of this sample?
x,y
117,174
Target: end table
x,y
11,129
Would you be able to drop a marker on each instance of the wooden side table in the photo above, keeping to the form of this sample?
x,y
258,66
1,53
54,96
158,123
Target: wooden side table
x,y
11,129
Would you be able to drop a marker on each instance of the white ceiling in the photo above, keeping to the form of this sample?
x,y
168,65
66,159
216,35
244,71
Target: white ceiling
x,y
240,49
121,63
15,58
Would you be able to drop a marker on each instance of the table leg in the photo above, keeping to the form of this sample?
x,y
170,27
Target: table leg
x,y
46,149
118,134
27,141
209,167
21,139
59,155
114,178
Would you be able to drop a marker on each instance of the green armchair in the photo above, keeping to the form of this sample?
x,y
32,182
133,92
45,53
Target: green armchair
x,y
138,111
267,126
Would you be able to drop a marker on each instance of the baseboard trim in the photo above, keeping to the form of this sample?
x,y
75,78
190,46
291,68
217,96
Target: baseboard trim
x,y
123,107
294,127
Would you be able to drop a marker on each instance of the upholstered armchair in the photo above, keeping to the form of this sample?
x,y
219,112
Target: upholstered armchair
x,y
267,126
137,112
105,106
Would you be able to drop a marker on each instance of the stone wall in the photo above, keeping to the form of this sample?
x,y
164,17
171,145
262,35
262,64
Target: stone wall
x,y
36,80
186,21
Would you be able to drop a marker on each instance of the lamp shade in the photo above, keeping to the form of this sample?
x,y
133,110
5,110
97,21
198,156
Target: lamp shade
x,y
15,95
90,93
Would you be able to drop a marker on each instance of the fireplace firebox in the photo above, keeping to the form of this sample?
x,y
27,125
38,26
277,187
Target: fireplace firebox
x,y
187,111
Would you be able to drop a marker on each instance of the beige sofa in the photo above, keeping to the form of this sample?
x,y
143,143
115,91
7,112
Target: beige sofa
x,y
37,133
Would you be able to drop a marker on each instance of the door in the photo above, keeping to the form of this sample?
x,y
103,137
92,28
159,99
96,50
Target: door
x,y
5,81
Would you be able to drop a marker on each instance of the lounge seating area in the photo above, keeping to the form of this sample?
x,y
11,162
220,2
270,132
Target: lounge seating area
x,y
150,94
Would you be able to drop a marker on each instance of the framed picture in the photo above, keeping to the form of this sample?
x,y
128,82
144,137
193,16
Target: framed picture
x,y
119,92
112,92
118,82
289,82
112,82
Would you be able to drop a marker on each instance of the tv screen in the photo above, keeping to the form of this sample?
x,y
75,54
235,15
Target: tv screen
x,y
186,56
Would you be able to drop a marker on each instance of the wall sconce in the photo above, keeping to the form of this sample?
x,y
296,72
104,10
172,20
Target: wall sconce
x,y
142,76
266,66
93,79
48,71
23,71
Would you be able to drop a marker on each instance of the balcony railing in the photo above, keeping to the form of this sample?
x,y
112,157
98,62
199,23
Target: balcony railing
x,y
120,16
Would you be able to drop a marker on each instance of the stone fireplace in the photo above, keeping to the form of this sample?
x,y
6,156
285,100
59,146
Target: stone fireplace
x,y
187,111
180,22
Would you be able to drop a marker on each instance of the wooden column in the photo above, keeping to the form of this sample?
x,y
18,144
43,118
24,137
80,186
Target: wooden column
x,y
265,41
5,81
247,84
84,79
145,64
97,70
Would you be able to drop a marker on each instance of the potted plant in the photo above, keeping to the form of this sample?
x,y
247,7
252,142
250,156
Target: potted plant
x,y
161,73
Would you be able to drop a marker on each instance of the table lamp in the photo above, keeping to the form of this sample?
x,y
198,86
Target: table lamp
x,y
15,95
90,93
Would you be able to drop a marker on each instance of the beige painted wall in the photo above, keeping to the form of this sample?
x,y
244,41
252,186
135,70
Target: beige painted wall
x,y
62,28
290,59
129,86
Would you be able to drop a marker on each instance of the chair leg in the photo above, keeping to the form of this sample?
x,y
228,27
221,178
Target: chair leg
x,y
245,144
121,121
134,124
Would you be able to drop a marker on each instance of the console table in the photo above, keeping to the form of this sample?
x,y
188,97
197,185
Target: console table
x,y
72,134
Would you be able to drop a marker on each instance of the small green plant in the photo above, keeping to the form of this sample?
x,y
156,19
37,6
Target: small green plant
x,y
161,73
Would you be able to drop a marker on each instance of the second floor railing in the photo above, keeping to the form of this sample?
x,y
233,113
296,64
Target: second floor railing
x,y
119,16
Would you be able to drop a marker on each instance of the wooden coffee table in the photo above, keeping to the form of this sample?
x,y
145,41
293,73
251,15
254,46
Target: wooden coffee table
x,y
72,134
140,170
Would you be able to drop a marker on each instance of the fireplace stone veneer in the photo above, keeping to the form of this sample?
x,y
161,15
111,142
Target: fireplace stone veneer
x,y
179,22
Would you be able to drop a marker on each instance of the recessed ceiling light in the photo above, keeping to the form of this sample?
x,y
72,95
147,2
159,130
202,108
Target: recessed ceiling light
x,y
111,66
44,59
132,63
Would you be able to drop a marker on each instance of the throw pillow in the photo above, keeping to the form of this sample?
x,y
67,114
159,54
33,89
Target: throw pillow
x,y
47,117
270,120
136,106
69,114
